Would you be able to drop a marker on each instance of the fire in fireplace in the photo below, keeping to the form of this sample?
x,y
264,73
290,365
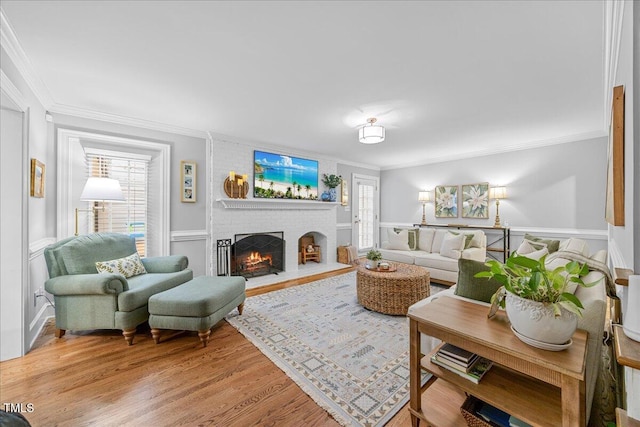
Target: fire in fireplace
x,y
257,254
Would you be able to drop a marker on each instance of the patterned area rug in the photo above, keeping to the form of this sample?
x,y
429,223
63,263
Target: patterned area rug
x,y
353,362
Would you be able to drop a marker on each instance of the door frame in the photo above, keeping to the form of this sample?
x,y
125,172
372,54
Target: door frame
x,y
20,249
376,196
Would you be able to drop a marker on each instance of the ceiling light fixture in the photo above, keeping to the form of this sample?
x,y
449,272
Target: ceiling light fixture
x,y
371,133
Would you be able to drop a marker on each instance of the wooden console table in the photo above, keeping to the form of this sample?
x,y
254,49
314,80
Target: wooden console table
x,y
627,354
501,244
542,388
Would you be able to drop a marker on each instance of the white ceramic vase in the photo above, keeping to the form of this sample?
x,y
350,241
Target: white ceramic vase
x,y
536,321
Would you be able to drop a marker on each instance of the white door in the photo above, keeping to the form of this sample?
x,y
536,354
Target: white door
x,y
12,230
365,223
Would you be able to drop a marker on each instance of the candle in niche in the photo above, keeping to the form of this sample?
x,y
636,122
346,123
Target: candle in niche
x,y
232,176
245,177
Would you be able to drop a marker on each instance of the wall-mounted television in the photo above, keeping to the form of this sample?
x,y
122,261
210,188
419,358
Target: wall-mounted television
x,y
279,176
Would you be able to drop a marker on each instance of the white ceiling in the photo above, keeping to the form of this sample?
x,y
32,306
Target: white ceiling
x,y
447,79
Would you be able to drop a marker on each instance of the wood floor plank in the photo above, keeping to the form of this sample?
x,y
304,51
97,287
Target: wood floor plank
x,y
93,378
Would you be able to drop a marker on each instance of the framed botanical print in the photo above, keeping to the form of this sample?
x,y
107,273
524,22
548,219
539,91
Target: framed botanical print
x,y
37,178
188,181
446,201
475,200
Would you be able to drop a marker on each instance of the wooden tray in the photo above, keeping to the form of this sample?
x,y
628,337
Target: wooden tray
x,y
391,269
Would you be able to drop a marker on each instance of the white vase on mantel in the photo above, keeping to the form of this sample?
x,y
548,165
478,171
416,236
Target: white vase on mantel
x,y
537,321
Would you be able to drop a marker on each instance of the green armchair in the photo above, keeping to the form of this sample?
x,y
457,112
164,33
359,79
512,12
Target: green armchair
x,y
86,300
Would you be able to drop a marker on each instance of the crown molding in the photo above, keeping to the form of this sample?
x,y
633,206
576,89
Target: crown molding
x,y
12,92
12,46
123,120
504,149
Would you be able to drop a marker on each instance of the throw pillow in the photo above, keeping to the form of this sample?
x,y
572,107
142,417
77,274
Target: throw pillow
x,y
452,246
128,266
425,239
398,241
577,246
526,248
552,245
413,237
469,286
468,237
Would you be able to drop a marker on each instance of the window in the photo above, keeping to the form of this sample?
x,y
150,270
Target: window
x,y
131,170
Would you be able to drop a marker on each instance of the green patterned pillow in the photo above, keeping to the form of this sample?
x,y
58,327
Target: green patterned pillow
x,y
129,266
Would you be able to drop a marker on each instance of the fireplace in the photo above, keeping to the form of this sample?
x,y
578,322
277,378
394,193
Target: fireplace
x,y
257,254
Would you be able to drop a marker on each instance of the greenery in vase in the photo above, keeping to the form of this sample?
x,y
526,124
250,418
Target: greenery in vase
x,y
374,255
530,279
331,181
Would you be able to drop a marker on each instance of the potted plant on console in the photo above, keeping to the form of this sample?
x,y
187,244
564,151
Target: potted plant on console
x,y
373,258
540,303
331,181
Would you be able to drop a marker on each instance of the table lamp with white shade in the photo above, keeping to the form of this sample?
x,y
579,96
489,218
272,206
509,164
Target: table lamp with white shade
x,y
424,197
100,190
498,193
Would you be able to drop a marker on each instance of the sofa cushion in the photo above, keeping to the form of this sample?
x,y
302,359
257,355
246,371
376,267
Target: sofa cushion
x,y
476,288
128,266
437,241
398,240
141,288
425,239
551,245
405,257
80,255
452,245
435,261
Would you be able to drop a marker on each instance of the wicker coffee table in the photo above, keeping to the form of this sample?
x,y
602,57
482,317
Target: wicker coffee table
x,y
392,292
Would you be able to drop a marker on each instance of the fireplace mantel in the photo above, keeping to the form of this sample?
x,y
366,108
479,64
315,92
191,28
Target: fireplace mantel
x,y
276,204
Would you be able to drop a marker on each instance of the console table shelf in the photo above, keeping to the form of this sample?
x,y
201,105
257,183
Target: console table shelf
x,y
539,387
523,390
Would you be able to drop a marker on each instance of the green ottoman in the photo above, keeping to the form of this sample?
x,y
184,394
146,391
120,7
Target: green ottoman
x,y
196,305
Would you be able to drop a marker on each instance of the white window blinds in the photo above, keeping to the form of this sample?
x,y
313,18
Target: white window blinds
x,y
131,170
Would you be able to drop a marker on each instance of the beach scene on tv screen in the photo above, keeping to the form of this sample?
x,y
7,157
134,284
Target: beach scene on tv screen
x,y
278,176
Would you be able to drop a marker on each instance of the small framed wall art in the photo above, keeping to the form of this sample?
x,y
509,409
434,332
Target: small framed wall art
x,y
475,200
344,193
446,201
188,181
37,178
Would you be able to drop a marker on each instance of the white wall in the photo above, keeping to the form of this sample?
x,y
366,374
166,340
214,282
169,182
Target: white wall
x,y
554,187
625,242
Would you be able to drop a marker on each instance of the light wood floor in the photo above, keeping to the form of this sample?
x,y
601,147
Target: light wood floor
x,y
93,378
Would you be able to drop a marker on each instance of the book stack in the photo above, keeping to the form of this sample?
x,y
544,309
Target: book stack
x,y
462,362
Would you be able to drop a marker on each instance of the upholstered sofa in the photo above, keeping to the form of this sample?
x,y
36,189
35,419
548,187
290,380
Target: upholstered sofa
x,y
436,249
479,291
85,299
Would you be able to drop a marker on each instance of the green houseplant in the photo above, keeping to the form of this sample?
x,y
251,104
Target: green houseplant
x,y
331,181
539,302
374,257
